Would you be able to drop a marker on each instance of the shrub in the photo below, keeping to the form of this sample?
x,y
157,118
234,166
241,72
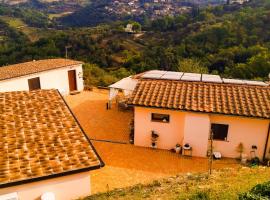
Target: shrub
x,y
201,195
259,192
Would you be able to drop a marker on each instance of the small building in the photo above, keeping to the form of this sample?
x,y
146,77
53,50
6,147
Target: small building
x,y
186,108
63,74
44,150
129,28
237,1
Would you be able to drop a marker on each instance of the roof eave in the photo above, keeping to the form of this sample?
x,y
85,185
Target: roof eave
x,y
36,179
185,110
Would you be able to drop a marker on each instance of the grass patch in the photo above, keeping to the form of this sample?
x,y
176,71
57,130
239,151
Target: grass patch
x,y
58,15
223,184
32,33
13,22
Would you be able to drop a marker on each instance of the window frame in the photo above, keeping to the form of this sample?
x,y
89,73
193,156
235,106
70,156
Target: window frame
x,y
34,80
165,116
224,126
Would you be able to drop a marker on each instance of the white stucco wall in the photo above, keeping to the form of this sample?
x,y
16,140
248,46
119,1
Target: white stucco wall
x,y
169,133
194,128
196,133
64,188
51,79
249,131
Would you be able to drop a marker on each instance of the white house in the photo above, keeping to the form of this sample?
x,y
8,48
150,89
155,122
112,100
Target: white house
x,y
63,74
45,154
185,108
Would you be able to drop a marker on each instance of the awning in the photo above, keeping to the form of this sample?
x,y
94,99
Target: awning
x,y
127,84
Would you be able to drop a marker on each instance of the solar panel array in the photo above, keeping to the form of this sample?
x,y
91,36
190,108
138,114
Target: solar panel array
x,y
169,75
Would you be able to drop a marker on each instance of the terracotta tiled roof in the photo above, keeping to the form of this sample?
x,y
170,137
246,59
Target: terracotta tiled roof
x,y
40,138
221,98
22,69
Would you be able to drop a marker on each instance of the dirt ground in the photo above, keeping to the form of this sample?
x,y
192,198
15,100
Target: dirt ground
x,y
126,164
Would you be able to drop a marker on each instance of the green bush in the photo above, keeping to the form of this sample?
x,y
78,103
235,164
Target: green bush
x,y
259,192
201,195
96,76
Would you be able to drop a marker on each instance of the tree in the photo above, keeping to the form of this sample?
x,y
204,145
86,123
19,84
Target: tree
x,y
191,65
136,27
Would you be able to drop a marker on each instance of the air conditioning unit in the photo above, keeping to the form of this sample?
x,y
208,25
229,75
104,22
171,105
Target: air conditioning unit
x,y
10,196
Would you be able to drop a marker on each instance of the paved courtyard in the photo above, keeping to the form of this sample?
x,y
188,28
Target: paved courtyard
x,y
98,122
127,164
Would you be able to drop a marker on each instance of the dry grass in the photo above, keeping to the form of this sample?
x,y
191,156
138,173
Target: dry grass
x,y
224,184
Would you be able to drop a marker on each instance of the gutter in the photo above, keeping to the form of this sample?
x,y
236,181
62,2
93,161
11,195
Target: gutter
x,y
266,143
194,111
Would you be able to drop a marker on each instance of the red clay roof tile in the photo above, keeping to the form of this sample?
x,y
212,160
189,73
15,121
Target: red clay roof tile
x,y
22,69
40,137
221,98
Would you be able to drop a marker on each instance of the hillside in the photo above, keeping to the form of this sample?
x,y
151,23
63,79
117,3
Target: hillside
x,y
105,11
230,40
226,184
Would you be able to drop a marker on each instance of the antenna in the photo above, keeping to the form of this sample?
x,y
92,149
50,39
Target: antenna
x,y
210,162
66,49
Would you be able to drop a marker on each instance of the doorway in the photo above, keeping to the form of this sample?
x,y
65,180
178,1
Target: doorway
x,y
34,83
72,80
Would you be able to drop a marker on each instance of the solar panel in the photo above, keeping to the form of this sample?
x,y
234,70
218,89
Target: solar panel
x,y
154,76
255,83
191,77
171,76
174,73
211,78
156,72
236,81
192,74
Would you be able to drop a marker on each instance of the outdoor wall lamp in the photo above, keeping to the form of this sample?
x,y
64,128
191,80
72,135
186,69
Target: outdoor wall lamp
x,y
80,75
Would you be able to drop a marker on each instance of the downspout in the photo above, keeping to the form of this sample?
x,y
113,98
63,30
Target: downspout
x,y
266,143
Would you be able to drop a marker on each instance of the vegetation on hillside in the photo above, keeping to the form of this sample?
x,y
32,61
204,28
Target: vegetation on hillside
x,y
226,184
229,40
258,192
31,17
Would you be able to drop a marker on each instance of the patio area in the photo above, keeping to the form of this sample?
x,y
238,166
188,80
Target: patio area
x,y
98,122
126,164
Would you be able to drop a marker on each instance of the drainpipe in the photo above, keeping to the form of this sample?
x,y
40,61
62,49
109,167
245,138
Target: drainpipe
x,y
266,143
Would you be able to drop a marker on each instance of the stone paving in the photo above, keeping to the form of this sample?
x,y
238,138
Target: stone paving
x,y
98,122
126,164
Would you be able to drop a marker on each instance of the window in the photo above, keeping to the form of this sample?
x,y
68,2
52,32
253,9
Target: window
x,y
160,118
34,83
220,131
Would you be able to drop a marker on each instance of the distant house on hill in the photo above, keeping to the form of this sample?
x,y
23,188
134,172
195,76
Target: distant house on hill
x,y
173,108
237,1
45,154
129,29
62,74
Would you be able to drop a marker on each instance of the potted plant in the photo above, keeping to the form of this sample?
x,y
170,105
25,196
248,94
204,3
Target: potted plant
x,y
154,138
177,148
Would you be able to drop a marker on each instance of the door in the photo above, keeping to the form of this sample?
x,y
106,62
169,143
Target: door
x,y
72,80
34,83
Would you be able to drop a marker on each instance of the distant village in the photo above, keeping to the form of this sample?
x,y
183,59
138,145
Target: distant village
x,y
154,8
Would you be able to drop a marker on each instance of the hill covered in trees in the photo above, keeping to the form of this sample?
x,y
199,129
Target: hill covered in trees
x,y
230,40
